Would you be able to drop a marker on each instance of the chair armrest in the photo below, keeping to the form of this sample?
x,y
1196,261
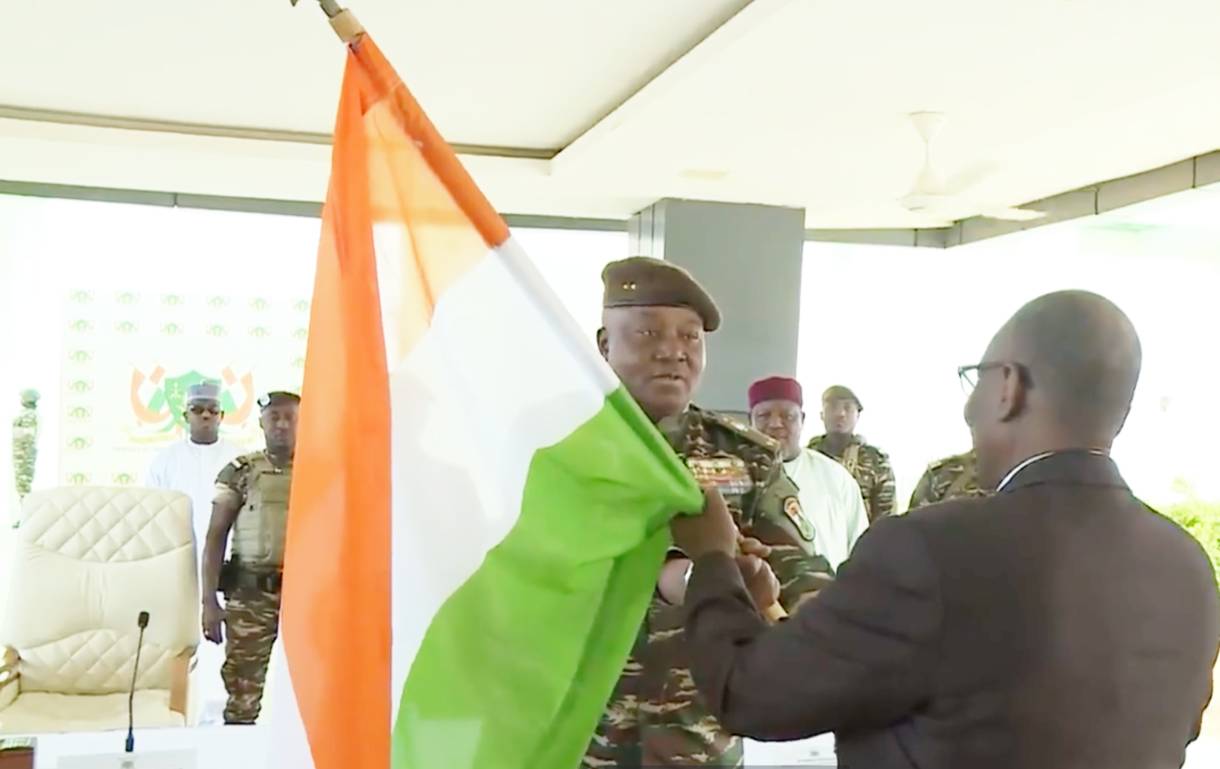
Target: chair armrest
x,y
180,679
10,676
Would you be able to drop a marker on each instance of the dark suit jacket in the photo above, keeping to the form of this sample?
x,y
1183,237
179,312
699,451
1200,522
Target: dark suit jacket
x,y
1060,623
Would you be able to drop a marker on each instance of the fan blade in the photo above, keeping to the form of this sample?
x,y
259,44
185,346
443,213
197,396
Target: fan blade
x,y
921,202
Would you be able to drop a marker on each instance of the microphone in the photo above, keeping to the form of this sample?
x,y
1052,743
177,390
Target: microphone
x,y
142,621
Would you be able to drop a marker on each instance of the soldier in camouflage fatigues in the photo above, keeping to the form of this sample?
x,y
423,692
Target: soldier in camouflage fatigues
x,y
251,501
252,621
656,717
951,478
871,468
869,465
25,442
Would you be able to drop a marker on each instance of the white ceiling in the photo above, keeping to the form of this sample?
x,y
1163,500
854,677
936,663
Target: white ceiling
x,y
786,102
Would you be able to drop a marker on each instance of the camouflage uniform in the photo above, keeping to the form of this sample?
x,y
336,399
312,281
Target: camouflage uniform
x,y
870,466
951,478
251,582
655,716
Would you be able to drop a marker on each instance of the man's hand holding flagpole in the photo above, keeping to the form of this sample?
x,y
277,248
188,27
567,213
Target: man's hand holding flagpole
x,y
713,531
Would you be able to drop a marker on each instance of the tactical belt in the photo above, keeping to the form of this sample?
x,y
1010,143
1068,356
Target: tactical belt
x,y
234,576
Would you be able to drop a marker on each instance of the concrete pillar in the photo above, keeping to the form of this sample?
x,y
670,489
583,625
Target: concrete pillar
x,y
749,259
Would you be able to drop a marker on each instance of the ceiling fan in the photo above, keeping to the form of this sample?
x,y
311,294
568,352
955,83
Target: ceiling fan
x,y
933,194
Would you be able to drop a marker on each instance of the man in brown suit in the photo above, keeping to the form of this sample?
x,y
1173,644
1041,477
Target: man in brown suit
x,y
1058,624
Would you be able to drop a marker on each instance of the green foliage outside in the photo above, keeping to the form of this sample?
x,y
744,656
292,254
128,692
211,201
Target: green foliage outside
x,y
1202,520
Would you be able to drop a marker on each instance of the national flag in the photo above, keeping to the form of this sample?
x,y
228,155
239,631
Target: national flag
x,y
479,509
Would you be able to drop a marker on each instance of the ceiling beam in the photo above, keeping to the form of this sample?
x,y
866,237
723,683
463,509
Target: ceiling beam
x,y
1091,200
884,236
306,208
1094,199
583,148
93,120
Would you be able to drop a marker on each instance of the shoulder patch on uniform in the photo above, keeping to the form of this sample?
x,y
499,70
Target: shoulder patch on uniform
x,y
244,460
737,428
792,509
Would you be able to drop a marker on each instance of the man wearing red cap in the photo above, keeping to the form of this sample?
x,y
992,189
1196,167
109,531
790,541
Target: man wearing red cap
x,y
830,499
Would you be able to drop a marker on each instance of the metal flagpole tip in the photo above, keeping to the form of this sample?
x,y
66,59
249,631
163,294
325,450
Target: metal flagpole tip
x,y
342,20
346,26
329,7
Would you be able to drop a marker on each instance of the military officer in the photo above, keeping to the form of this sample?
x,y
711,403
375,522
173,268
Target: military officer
x,y
252,502
654,321
868,464
953,477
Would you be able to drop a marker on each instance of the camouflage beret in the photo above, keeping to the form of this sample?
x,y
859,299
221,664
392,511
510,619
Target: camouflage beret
x,y
641,281
841,393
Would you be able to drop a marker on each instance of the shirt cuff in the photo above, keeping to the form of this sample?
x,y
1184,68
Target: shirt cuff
x,y
714,574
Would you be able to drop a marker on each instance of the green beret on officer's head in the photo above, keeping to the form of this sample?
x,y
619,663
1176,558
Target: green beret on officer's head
x,y
841,393
642,281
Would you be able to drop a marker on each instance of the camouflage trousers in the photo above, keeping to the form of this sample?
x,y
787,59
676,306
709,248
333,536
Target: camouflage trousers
x,y
656,717
252,620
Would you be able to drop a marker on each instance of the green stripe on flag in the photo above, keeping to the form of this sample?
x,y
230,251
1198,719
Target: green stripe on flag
x,y
518,664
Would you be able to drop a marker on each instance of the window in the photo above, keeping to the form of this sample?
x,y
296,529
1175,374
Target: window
x,y
105,305
894,324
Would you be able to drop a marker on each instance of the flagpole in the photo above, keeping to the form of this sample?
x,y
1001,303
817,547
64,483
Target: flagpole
x,y
342,20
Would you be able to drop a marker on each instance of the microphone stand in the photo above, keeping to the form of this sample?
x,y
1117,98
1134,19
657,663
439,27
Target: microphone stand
x,y
142,621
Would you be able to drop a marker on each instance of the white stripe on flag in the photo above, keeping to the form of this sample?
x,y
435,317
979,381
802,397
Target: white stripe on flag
x,y
492,381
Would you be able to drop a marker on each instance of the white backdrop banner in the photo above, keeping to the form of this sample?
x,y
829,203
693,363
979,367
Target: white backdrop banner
x,y
129,358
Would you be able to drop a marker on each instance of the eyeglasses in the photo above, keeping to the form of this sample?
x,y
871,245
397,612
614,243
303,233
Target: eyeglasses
x,y
200,410
969,375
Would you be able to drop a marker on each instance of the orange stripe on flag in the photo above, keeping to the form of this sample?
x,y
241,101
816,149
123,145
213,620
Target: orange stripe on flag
x,y
403,221
336,603
435,150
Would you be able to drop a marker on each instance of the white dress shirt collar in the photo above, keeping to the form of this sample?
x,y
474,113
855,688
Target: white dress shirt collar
x,y
1035,459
